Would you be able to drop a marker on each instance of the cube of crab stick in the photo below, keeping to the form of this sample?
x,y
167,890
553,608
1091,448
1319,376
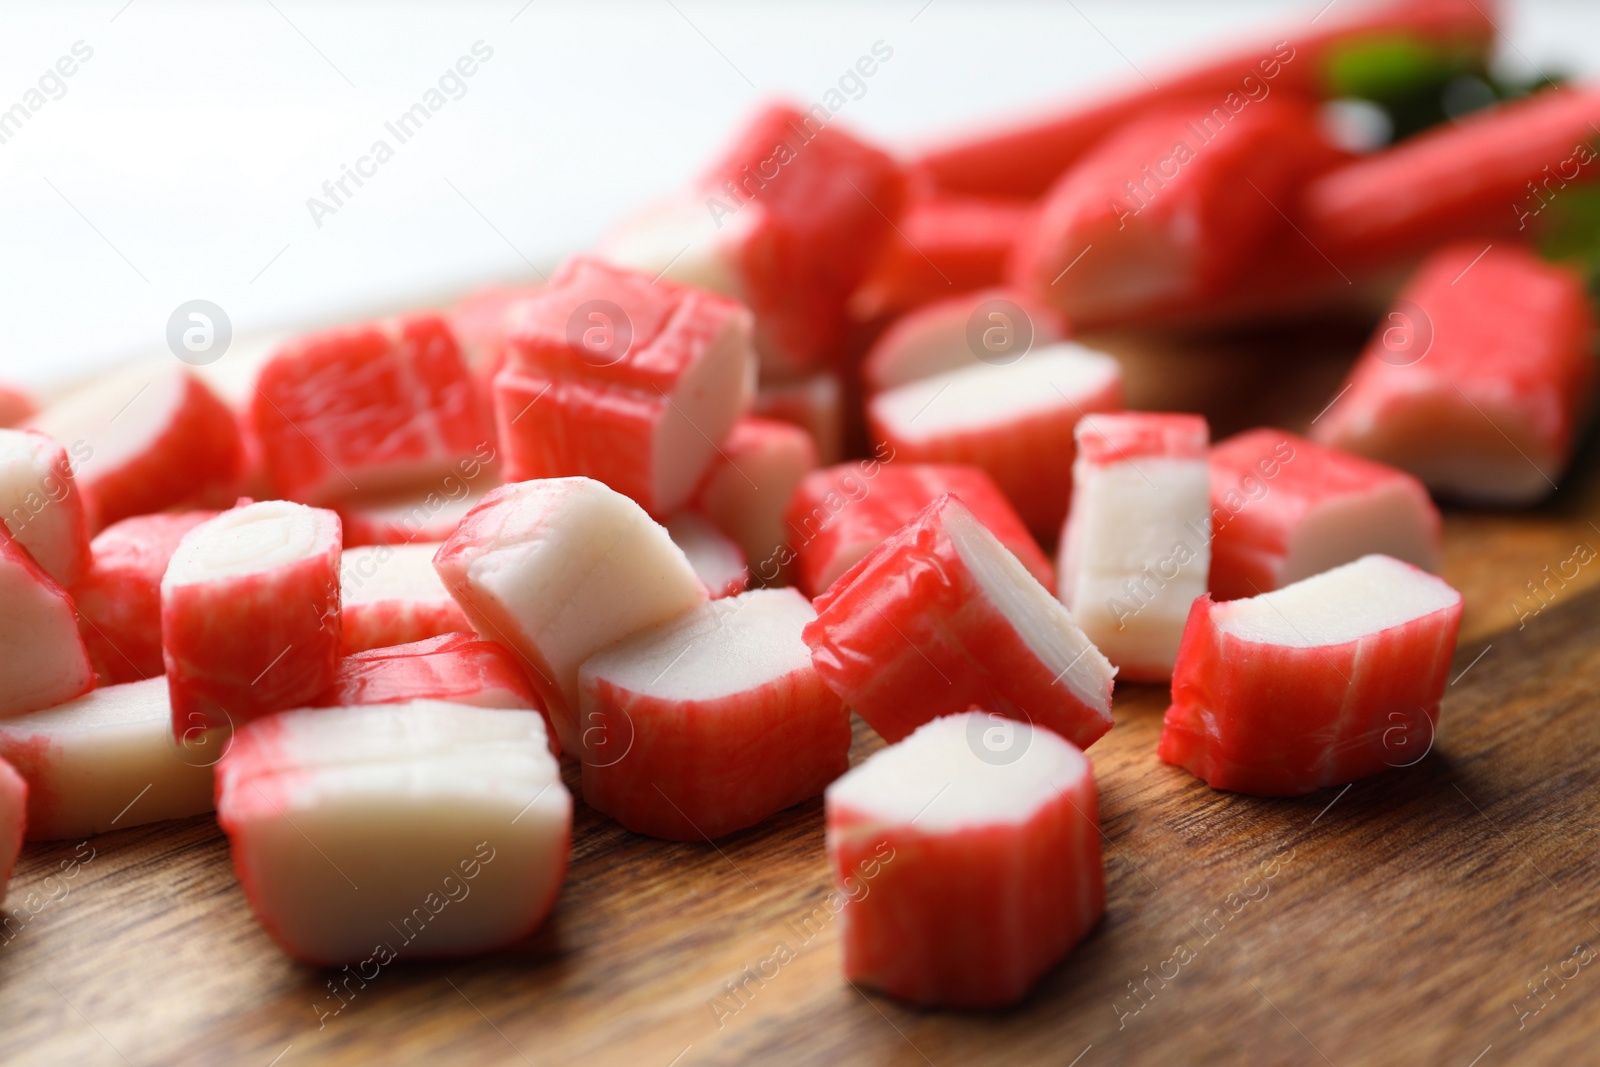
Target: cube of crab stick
x,y
750,485
43,660
108,760
989,326
1022,158
119,598
788,222
13,822
416,515
15,405
391,595
1136,548
717,559
970,856
841,513
145,441
615,376
250,613
1322,682
945,245
559,568
41,505
366,408
1284,508
1014,420
711,722
458,668
940,618
413,830
814,403
478,321
1480,379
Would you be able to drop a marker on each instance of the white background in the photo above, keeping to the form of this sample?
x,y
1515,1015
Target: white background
x,y
178,163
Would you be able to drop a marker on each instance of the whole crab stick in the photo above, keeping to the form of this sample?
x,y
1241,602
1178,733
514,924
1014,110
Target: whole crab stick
x,y
940,618
556,570
107,761
717,559
41,505
1284,508
250,614
1479,380
993,325
43,660
366,408
630,380
391,595
119,598
13,822
839,514
751,483
406,830
970,857
1023,158
1322,682
711,722
145,441
1136,548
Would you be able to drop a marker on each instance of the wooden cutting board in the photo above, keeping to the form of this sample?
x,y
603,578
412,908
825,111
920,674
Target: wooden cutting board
x,y
1402,920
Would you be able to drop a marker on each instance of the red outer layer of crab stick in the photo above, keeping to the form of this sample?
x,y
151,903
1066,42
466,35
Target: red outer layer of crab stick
x,y
479,321
16,405
556,570
711,722
940,618
1136,548
13,822
42,658
1013,419
145,441
1284,508
119,598
41,505
391,595
250,614
749,487
1479,380
107,761
1319,683
615,376
366,408
440,830
994,325
841,513
717,559
1024,158
815,403
969,854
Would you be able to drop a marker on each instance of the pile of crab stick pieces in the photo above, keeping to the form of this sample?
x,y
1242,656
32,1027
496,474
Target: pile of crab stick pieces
x,y
815,437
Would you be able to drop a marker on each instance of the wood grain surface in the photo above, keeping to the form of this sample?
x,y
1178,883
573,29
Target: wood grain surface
x,y
1400,920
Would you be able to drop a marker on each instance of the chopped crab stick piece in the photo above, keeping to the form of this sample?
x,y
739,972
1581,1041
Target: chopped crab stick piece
x,y
752,482
1284,508
43,660
1014,420
1024,158
1154,217
459,668
250,613
361,834
1136,549
107,761
994,326
717,559
814,403
119,598
13,821
944,245
15,406
1492,173
145,441
391,595
632,381
556,570
711,722
1480,379
41,505
366,408
788,222
479,321
412,515
940,618
841,513
970,856
1322,682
